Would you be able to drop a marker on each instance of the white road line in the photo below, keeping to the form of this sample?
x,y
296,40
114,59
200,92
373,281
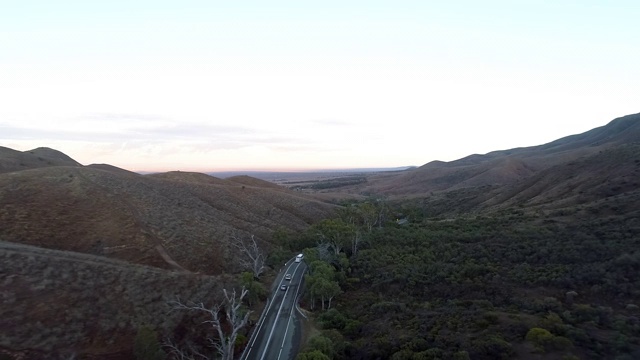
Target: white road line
x,y
295,301
255,334
299,310
275,322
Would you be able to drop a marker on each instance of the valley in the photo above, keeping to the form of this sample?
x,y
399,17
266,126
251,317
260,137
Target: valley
x,y
524,253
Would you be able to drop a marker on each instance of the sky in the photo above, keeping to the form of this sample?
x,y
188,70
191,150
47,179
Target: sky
x,y
301,85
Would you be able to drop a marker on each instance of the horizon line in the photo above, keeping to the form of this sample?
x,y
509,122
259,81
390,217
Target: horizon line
x,y
298,170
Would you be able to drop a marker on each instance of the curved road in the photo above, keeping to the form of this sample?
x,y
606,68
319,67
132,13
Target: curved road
x,y
277,334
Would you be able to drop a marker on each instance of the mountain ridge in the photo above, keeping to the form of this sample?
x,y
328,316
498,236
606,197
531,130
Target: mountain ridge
x,y
14,160
503,167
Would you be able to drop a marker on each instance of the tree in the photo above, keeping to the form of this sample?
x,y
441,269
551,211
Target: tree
x,y
365,215
362,217
356,239
332,319
539,337
256,290
321,283
330,291
370,216
180,353
322,344
325,289
334,232
253,258
225,339
319,268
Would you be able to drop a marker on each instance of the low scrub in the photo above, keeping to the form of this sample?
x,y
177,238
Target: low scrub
x,y
58,304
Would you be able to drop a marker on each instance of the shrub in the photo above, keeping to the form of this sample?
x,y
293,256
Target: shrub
x,y
332,319
461,355
561,343
492,347
538,335
312,355
542,339
322,344
146,345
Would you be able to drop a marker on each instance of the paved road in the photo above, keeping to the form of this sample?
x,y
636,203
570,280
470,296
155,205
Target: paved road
x,y
277,334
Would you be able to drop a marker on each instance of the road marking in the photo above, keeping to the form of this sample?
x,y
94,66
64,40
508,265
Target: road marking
x,y
263,317
275,322
299,310
295,302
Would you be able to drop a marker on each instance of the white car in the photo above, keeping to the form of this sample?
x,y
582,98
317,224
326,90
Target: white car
x,y
287,277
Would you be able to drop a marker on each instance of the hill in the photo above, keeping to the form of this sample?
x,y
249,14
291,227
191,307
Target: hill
x,y
172,220
528,253
89,254
602,160
63,305
12,160
493,246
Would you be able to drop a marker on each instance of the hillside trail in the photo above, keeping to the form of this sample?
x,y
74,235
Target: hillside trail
x,y
7,247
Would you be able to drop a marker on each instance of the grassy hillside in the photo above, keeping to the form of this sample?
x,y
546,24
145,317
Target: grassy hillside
x,y
184,217
507,167
12,160
56,303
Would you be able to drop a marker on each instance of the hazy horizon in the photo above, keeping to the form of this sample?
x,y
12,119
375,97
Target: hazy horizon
x,y
286,86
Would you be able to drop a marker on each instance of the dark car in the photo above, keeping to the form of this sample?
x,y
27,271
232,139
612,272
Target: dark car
x,y
283,287
287,277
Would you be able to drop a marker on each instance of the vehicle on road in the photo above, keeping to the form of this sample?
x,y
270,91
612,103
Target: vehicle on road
x,y
287,277
283,287
299,257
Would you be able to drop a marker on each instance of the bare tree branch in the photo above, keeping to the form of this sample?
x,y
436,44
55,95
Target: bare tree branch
x,y
231,307
253,258
182,354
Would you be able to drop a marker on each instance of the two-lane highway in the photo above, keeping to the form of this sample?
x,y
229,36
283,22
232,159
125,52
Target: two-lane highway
x,y
277,334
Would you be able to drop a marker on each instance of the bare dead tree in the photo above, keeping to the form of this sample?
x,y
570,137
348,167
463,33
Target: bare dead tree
x,y
230,307
355,242
180,353
253,258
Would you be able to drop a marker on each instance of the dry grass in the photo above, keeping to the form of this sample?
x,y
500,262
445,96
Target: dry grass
x,y
57,303
569,172
126,216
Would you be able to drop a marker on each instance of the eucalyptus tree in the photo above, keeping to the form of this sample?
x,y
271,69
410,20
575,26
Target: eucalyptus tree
x,y
226,319
253,258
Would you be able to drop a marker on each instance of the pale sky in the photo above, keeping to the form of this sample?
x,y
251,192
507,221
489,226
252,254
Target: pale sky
x,y
283,85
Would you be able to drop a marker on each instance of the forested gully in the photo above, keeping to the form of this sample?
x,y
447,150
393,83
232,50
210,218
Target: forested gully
x,y
386,282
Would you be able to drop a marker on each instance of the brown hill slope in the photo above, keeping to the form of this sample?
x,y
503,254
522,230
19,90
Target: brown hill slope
x,y
610,173
605,183
67,305
193,177
507,166
251,181
111,168
12,160
153,220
